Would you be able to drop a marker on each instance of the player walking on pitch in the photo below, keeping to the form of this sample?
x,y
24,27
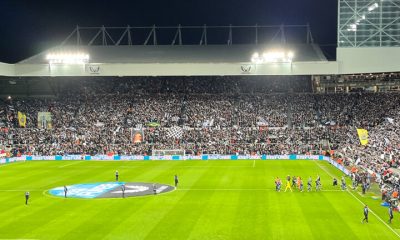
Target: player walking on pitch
x,y
344,187
65,191
123,190
318,183
154,189
366,210
277,184
176,180
301,185
116,176
26,198
309,184
390,214
288,184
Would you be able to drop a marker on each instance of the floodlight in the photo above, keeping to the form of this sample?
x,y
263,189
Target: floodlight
x,y
273,56
68,58
373,7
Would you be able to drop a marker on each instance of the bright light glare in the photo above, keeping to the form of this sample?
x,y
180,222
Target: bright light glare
x,y
373,7
273,56
68,58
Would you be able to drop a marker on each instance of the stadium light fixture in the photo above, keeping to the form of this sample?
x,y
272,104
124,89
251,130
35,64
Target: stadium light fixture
x,y
373,7
273,56
68,58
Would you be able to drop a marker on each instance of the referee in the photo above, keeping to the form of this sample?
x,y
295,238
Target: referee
x,y
116,176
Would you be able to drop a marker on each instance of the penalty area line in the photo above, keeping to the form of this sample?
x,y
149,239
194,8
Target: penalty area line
x,y
362,203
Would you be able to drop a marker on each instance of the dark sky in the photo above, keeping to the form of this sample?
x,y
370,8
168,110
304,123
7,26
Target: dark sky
x,y
30,26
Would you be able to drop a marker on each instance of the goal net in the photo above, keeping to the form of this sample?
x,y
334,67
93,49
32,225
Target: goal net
x,y
168,152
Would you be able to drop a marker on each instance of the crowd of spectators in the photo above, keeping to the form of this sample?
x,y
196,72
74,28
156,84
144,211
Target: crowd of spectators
x,y
218,115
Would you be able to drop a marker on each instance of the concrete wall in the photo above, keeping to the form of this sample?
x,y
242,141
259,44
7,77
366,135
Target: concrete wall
x,y
7,69
368,60
178,69
349,61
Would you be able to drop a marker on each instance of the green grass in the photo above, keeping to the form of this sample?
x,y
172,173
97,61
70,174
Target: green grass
x,y
215,200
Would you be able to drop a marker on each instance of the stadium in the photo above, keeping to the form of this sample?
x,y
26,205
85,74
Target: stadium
x,y
206,132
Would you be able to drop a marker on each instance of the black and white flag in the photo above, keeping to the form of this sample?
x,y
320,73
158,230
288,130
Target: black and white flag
x,y
175,132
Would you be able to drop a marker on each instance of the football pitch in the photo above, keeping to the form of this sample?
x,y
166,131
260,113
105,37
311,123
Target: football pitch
x,y
214,200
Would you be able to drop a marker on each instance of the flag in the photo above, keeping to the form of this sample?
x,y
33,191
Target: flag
x,y
153,124
391,120
175,132
261,122
22,119
363,136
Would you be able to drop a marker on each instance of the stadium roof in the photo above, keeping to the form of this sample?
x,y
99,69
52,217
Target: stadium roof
x,y
117,51
180,53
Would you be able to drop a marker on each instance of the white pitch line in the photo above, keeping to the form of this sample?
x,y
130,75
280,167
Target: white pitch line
x,y
239,189
10,163
69,164
379,218
19,239
19,190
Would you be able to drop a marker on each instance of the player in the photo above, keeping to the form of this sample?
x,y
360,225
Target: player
x,y
390,214
294,181
116,176
318,183
301,185
344,187
298,182
26,197
154,189
334,182
123,190
176,180
277,184
366,210
288,184
309,184
65,191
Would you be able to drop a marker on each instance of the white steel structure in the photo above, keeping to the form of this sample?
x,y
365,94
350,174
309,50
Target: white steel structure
x,y
369,23
368,42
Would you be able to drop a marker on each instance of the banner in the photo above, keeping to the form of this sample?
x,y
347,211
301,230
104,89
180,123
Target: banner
x,y
363,136
153,124
137,135
44,120
22,119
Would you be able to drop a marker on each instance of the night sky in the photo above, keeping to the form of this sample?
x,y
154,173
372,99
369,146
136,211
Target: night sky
x,y
31,26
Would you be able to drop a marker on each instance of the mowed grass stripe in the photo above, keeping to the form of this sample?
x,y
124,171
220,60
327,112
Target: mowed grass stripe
x,y
375,231
152,210
218,215
244,213
184,215
254,204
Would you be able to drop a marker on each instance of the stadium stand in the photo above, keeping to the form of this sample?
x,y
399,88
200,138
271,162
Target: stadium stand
x,y
218,115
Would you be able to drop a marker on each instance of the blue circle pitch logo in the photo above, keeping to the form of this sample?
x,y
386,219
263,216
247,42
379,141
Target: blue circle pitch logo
x,y
111,190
